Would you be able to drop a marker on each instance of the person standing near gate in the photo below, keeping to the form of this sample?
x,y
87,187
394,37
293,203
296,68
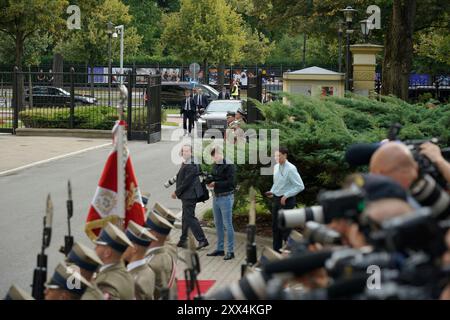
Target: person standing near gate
x,y
188,111
189,189
235,90
287,183
201,102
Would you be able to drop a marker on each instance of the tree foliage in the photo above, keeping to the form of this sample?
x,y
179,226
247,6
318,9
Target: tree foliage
x,y
204,30
90,43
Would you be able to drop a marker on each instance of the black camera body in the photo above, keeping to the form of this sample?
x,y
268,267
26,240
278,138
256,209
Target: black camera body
x,y
207,177
344,203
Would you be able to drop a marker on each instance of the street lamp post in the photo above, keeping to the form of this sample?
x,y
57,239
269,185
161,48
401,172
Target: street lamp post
x,y
340,31
109,31
120,30
365,30
348,14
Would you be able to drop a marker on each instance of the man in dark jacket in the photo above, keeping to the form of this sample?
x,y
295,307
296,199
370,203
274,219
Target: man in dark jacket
x,y
201,101
224,95
188,110
188,190
223,184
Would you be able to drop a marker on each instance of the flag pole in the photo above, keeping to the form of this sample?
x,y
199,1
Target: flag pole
x,y
121,154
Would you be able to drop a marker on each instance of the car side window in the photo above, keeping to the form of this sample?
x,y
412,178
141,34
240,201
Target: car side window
x,y
40,90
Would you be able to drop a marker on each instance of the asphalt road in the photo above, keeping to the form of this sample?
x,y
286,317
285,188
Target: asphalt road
x,y
23,198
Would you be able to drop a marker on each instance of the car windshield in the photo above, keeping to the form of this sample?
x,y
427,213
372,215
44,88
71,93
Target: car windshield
x,y
223,106
211,89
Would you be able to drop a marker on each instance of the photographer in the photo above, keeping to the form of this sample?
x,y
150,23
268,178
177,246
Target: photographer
x,y
395,160
223,175
433,152
189,189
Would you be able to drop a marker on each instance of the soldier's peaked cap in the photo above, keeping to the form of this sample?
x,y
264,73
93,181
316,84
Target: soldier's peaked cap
x,y
16,293
165,213
139,235
69,279
84,257
157,223
113,237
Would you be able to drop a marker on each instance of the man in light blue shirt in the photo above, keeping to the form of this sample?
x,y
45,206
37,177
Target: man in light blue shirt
x,y
287,183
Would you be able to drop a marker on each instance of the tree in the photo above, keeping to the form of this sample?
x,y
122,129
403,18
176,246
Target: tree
x,y
90,44
401,19
23,19
206,31
147,21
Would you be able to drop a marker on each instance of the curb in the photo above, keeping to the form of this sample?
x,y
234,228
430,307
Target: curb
x,y
75,133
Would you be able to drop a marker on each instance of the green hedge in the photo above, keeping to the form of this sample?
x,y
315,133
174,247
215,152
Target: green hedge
x,y
89,117
317,133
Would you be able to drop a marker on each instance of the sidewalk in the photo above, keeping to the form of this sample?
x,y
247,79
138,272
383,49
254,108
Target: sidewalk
x,y
215,268
19,151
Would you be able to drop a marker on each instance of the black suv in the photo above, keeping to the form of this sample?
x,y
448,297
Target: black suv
x,y
46,96
172,93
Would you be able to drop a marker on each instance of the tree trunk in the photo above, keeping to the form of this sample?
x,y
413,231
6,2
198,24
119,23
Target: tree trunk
x,y
58,67
221,75
398,52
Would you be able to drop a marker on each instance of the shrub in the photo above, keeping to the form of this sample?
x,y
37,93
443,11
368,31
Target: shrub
x,y
85,117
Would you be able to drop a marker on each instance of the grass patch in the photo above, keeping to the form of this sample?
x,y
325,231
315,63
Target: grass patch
x,y
172,111
172,124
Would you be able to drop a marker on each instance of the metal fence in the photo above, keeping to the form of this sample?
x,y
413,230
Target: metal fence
x,y
77,100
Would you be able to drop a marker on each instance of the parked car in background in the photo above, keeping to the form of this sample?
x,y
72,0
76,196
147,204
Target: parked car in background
x,y
215,116
46,96
172,93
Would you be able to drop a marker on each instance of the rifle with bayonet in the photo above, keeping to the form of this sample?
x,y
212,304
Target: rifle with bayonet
x,y
251,234
40,273
192,269
68,240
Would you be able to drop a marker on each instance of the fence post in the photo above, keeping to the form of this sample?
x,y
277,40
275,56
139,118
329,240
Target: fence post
x,y
72,99
130,104
15,99
149,99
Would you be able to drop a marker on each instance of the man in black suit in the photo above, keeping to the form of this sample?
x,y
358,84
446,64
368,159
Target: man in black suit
x,y
188,110
189,189
201,101
224,95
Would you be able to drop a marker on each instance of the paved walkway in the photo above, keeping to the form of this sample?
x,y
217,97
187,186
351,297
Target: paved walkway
x,y
215,268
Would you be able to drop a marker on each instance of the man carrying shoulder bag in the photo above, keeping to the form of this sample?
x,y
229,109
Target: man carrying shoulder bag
x,y
189,190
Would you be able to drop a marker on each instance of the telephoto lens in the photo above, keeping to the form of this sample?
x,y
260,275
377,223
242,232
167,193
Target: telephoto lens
x,y
251,287
319,233
293,218
170,182
430,194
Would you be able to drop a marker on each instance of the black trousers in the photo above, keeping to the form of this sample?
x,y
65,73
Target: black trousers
x,y
188,120
190,221
278,234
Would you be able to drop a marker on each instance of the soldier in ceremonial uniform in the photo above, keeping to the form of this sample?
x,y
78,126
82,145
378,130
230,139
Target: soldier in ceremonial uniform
x,y
66,284
16,293
170,244
88,263
143,275
159,257
113,278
